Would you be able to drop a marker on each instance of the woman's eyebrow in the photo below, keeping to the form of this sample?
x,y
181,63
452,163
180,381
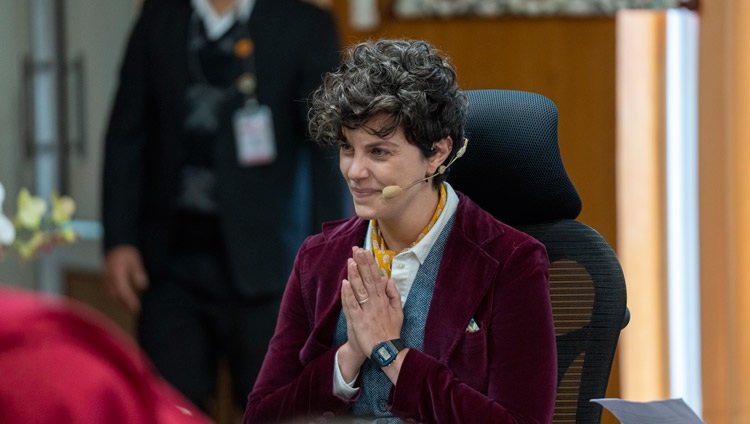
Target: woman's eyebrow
x,y
381,142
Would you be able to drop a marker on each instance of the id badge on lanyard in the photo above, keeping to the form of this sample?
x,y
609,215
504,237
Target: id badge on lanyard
x,y
253,129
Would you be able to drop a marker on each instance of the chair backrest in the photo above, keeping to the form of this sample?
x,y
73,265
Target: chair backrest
x,y
514,170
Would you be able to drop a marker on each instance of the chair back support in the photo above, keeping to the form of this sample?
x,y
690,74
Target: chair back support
x,y
514,170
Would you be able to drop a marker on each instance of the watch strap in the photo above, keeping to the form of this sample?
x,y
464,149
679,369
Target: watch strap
x,y
399,344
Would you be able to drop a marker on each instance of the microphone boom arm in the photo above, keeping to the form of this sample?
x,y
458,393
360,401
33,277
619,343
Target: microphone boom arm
x,y
392,191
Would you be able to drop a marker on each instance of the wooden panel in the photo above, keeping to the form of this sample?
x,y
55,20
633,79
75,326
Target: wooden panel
x,y
641,185
740,209
724,132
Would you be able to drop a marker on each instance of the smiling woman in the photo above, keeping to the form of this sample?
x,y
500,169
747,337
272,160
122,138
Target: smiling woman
x,y
371,164
423,307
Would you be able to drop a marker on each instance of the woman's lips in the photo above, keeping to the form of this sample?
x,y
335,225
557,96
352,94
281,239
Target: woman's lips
x,y
364,192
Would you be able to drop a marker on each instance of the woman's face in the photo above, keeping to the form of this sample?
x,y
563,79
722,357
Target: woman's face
x,y
370,163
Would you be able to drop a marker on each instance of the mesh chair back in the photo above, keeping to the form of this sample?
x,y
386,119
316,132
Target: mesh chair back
x,y
588,303
513,169
513,162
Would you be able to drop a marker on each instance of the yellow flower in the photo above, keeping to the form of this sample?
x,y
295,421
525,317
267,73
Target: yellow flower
x,y
36,228
31,209
28,249
62,208
68,235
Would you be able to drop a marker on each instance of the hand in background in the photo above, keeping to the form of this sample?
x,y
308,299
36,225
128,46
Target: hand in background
x,y
124,276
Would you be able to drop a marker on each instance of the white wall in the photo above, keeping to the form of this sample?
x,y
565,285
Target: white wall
x,y
96,30
14,25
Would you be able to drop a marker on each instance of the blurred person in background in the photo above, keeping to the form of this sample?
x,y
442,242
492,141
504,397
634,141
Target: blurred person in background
x,y
209,184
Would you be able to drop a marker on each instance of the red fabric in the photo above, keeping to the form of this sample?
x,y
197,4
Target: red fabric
x,y
61,362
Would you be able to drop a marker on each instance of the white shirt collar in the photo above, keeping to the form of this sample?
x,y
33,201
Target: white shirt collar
x,y
216,25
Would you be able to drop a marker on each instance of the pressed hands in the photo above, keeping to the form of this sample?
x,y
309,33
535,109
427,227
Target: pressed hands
x,y
373,311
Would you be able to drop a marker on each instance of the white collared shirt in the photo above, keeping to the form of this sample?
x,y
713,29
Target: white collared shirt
x,y
217,25
404,268
406,263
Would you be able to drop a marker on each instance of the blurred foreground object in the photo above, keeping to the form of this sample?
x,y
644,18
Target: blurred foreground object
x,y
63,362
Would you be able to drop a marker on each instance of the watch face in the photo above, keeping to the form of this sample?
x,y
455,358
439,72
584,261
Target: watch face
x,y
384,353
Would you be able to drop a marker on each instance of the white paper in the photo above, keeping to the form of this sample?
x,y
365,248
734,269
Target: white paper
x,y
655,412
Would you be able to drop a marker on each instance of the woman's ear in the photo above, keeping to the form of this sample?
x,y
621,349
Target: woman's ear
x,y
442,149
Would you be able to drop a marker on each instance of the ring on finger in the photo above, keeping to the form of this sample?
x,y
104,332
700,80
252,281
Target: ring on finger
x,y
363,301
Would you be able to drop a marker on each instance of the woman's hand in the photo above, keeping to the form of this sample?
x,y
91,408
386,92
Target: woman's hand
x,y
373,310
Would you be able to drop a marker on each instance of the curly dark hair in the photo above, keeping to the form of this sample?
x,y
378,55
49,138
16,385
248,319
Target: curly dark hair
x,y
409,82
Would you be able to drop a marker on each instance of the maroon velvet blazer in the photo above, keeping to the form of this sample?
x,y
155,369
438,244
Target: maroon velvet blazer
x,y
504,373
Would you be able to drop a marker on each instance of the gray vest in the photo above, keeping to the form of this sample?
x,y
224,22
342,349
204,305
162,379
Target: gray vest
x,y
376,387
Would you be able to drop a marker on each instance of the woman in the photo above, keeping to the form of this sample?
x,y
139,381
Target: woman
x,y
423,307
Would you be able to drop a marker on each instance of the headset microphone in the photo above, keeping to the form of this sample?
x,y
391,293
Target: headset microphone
x,y
389,192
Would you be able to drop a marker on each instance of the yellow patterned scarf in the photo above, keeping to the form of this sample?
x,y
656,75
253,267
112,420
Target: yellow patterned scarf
x,y
385,256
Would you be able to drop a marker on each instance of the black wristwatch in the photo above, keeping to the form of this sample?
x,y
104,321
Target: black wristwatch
x,y
385,352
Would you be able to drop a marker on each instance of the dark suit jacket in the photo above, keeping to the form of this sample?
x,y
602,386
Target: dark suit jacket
x,y
264,216
505,372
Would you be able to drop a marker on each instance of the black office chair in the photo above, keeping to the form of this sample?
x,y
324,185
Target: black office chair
x,y
513,169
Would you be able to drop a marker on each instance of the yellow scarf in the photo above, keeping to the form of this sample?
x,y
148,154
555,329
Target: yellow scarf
x,y
385,256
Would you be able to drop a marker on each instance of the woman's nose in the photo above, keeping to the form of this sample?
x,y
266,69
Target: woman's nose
x,y
357,168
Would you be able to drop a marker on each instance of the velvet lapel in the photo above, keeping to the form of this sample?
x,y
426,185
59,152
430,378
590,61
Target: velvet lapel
x,y
325,296
465,275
